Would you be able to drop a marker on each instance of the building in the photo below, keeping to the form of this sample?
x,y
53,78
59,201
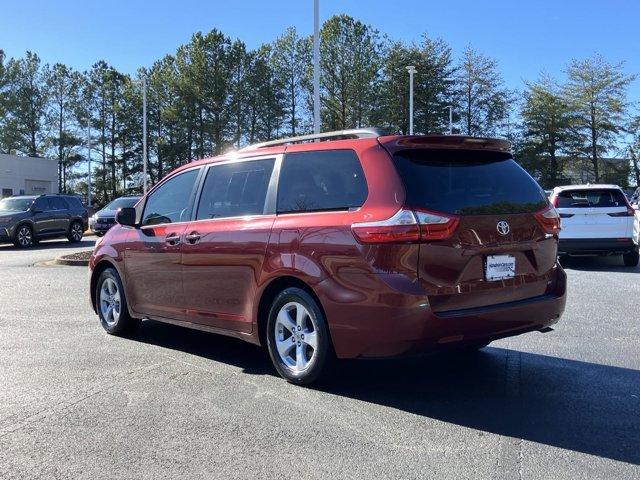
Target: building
x,y
27,175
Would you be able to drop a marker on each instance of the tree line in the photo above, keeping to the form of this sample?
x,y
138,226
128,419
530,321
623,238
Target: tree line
x,y
214,94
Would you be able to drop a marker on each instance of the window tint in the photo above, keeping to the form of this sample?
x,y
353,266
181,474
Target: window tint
x,y
235,189
591,198
467,182
42,204
57,203
328,180
74,202
170,202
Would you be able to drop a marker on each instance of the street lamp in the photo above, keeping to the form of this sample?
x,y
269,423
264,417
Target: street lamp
x,y
89,160
316,66
144,134
450,107
411,69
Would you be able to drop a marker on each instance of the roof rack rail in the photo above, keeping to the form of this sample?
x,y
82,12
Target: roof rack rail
x,y
336,135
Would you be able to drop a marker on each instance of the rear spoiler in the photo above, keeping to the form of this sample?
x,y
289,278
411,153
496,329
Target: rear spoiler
x,y
461,142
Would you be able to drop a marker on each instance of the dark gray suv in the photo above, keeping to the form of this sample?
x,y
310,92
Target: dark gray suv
x,y
26,219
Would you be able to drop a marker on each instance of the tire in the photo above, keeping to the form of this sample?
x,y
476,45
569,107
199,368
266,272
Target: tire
x,y
76,231
298,337
23,237
111,305
631,259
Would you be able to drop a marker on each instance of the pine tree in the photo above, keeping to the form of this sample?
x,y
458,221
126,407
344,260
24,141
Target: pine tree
x,y
597,93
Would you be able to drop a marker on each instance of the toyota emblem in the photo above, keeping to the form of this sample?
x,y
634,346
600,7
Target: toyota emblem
x,y
503,227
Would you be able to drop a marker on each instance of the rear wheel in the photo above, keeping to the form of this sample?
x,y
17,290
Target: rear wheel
x,y
631,259
111,304
75,232
298,337
23,237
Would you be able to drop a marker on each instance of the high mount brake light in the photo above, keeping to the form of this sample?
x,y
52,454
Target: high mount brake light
x,y
548,219
407,226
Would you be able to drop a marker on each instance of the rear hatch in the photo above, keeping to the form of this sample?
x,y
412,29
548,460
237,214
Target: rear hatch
x,y
594,213
502,242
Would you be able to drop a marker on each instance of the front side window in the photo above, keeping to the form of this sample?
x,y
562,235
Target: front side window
x,y
235,189
42,204
171,202
323,180
57,203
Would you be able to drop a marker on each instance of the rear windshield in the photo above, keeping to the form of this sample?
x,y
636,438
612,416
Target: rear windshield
x,y
467,183
604,198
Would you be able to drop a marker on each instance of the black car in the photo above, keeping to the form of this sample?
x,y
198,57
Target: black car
x,y
26,219
104,219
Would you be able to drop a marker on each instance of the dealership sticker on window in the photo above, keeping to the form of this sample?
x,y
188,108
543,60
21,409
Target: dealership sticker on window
x,y
499,267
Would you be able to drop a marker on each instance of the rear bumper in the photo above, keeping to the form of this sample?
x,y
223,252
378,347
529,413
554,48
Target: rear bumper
x,y
595,246
405,325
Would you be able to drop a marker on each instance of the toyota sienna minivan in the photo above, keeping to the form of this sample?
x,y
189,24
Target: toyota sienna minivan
x,y
347,244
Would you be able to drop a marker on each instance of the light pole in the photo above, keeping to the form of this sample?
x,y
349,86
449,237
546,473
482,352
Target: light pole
x,y
89,200
450,107
411,69
316,66
144,134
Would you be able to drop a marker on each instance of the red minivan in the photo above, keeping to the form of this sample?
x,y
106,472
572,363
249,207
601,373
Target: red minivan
x,y
345,244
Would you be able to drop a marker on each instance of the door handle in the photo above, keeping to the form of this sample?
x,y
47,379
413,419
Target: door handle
x,y
193,238
172,239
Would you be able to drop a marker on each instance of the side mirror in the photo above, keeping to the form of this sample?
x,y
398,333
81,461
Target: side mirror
x,y
126,217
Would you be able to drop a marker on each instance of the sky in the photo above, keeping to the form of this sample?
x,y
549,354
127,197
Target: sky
x,y
525,37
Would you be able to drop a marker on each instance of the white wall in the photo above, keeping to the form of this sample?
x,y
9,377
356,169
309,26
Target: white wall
x,y
27,175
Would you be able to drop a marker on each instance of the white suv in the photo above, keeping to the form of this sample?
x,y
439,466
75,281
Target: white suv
x,y
597,220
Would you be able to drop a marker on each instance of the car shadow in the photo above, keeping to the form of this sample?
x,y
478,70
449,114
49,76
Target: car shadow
x,y
569,404
611,263
46,244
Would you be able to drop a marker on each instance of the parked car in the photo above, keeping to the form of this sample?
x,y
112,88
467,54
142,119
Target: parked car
x,y
26,219
104,219
597,220
355,246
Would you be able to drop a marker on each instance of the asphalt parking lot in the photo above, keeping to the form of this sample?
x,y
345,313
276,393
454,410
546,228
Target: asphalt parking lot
x,y
174,403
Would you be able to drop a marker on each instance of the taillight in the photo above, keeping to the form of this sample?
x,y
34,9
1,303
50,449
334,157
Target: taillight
x,y
548,219
407,226
436,225
554,201
400,228
630,212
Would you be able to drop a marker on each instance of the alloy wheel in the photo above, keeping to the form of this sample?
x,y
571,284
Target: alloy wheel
x,y
25,237
296,336
76,232
110,301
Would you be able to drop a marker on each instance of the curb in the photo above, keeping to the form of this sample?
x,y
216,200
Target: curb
x,y
70,262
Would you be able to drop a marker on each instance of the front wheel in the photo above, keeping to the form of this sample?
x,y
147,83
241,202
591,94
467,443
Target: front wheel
x,y
111,304
297,337
631,259
24,237
75,232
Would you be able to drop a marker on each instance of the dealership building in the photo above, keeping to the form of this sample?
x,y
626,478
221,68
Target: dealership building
x,y
27,175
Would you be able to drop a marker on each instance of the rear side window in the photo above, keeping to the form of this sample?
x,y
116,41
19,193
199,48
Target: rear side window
x,y
171,201
590,198
74,202
467,182
235,189
325,180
